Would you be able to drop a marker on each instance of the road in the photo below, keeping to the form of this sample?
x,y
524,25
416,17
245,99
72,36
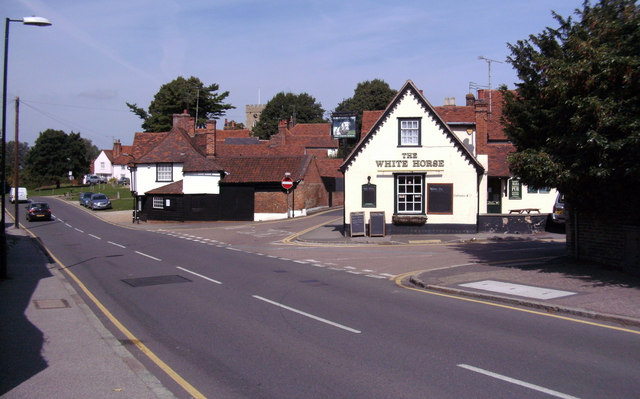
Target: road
x,y
233,318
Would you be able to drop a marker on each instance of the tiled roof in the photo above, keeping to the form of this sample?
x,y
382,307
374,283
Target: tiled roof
x,y
329,167
109,154
368,120
264,169
497,152
453,113
311,129
201,164
176,146
143,142
172,188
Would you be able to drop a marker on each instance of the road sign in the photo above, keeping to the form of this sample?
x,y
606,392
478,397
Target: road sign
x,y
287,183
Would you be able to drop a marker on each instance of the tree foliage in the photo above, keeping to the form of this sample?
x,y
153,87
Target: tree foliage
x,y
179,95
54,154
302,108
23,150
575,116
370,95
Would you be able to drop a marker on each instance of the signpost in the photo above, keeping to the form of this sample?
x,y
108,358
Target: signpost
x,y
287,184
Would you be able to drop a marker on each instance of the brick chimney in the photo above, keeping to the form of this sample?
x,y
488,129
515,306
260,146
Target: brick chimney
x,y
117,148
210,139
471,100
184,121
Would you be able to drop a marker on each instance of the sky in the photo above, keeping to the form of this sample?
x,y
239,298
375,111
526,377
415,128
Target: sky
x,y
78,74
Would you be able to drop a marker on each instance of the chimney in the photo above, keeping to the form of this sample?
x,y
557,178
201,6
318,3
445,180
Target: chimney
x,y
184,121
210,139
471,100
117,148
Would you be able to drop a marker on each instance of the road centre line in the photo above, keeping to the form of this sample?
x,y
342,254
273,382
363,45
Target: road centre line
x,y
307,314
517,382
95,236
77,229
117,245
148,256
199,275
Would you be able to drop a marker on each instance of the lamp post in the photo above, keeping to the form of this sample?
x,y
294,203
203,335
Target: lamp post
x,y
36,21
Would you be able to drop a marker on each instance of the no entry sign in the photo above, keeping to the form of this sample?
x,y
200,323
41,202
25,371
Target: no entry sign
x,y
287,183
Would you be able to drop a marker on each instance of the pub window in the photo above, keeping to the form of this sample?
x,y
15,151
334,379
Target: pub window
x,y
158,203
164,172
410,194
409,132
440,198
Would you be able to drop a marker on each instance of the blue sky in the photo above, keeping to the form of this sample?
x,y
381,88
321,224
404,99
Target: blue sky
x,y
77,74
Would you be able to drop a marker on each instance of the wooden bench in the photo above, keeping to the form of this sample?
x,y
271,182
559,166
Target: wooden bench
x,y
524,210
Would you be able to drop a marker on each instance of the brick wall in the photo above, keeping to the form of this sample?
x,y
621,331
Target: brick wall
x,y
610,237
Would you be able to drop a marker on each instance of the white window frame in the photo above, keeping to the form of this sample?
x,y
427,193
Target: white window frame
x,y
158,202
410,194
164,172
409,132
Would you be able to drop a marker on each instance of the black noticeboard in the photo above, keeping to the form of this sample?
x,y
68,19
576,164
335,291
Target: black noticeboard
x,y
357,224
376,224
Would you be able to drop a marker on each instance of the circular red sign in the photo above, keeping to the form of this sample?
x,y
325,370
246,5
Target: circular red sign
x,y
287,183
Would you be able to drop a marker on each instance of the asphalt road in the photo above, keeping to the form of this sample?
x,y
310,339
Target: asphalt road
x,y
254,319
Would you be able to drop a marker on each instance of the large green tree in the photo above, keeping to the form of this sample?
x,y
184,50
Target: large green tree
x,y
23,150
575,116
54,154
370,95
179,95
303,108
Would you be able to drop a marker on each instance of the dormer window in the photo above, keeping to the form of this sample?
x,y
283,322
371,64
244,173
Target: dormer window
x,y
164,172
409,132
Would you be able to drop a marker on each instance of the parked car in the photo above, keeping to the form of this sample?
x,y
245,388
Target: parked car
x,y
38,211
84,197
558,215
22,194
99,201
95,179
123,181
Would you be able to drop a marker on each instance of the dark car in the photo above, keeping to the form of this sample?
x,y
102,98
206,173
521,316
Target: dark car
x,y
99,201
83,198
123,181
38,211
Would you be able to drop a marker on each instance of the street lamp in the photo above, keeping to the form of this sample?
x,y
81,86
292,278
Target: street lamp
x,y
36,21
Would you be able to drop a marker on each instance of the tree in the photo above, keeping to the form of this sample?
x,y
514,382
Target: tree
x,y
368,96
303,108
55,154
575,117
179,95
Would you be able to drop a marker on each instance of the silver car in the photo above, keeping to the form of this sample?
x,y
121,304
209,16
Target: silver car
x,y
559,215
99,201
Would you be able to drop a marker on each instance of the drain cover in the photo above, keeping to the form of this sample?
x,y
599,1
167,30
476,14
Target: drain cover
x,y
155,280
51,303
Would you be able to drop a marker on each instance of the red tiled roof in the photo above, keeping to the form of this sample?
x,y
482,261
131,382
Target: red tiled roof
x,y
369,118
176,146
264,169
497,153
109,154
453,113
143,142
329,167
311,129
172,188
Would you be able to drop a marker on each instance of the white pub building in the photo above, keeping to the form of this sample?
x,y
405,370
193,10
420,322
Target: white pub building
x,y
411,173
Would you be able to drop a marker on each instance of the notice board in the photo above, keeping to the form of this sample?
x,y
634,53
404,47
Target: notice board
x,y
357,224
376,224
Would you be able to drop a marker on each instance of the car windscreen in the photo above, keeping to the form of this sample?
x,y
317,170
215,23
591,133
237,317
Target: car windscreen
x,y
99,197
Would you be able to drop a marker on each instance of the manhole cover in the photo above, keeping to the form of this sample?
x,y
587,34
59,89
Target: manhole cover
x,y
51,303
155,280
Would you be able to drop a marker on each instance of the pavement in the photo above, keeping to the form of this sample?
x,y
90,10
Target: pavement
x,y
53,345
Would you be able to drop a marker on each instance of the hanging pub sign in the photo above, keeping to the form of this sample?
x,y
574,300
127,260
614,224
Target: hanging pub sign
x,y
343,126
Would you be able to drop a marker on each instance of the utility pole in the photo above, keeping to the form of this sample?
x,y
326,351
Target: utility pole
x,y
15,168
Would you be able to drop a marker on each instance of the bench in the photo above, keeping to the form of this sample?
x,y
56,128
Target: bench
x,y
524,210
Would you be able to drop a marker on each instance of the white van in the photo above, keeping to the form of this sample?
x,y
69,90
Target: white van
x,y
22,194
